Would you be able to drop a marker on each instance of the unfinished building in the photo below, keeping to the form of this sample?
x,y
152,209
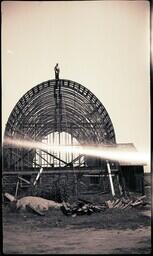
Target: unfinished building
x,y
62,112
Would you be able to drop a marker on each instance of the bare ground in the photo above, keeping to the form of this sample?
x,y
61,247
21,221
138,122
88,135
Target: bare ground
x,y
114,231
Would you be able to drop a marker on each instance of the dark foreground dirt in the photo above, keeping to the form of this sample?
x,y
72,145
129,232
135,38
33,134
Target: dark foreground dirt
x,y
114,231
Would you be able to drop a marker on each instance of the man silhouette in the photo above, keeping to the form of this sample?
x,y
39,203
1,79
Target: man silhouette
x,y
57,70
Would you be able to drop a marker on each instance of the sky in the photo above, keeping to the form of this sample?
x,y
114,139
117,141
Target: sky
x,y
103,45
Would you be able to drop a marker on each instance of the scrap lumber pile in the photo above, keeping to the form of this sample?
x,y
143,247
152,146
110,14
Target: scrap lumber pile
x,y
81,207
126,203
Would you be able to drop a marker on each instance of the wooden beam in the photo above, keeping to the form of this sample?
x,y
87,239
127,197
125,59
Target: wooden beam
x,y
110,179
56,172
54,156
73,161
26,181
43,158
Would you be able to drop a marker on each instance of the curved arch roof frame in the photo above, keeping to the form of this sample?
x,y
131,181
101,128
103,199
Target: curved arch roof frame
x,y
80,108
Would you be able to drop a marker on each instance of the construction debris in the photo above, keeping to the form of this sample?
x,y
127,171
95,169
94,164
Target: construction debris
x,y
84,207
81,207
126,203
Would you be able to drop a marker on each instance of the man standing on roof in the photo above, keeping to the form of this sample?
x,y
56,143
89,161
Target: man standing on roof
x,y
57,70
57,83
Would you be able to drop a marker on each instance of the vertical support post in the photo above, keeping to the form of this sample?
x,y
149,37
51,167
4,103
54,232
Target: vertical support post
x,y
123,184
76,186
50,142
34,149
71,145
65,141
40,159
142,182
17,186
119,186
53,145
59,145
110,178
68,143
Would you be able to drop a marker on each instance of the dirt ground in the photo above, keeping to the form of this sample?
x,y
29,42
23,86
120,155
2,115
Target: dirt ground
x,y
113,231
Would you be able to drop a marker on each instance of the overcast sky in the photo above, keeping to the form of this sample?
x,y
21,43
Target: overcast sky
x,y
104,45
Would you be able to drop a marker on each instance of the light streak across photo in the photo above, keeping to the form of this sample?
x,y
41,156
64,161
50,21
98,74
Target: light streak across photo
x,y
121,153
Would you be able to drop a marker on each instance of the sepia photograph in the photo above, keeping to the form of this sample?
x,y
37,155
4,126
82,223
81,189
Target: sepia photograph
x,y
76,128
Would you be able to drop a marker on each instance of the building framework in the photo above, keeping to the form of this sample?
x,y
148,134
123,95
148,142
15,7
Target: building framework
x,y
57,111
60,112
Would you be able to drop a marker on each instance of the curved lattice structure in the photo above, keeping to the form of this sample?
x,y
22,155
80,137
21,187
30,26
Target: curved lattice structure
x,y
60,106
